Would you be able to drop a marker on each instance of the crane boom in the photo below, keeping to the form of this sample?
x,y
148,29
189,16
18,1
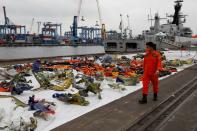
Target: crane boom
x,y
79,9
32,23
99,11
5,16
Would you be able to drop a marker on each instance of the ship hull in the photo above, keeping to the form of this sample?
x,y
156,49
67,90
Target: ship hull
x,y
130,45
33,52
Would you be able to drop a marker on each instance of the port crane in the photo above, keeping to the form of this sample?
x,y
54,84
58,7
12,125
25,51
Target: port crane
x,y
98,7
100,17
12,32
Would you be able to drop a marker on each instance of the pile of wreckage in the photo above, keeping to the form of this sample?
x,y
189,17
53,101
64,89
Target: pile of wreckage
x,y
79,75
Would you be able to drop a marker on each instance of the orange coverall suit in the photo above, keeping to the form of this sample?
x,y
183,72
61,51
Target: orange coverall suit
x,y
152,64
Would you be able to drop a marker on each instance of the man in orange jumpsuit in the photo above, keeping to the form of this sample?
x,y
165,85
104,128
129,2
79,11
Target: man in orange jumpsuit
x,y
152,65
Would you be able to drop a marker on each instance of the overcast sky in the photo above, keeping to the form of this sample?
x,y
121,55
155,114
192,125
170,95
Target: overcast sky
x,y
62,11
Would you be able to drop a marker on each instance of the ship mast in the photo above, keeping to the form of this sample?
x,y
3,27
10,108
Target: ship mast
x,y
129,27
177,16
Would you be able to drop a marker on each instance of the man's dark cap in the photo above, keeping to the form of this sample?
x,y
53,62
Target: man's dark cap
x,y
151,44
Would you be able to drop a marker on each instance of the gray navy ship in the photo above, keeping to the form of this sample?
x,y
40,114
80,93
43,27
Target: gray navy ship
x,y
171,35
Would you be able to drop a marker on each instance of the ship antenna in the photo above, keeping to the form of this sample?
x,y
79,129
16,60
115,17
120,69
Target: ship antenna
x,y
151,16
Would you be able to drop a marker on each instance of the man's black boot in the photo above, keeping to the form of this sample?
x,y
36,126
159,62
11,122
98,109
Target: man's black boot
x,y
143,100
155,97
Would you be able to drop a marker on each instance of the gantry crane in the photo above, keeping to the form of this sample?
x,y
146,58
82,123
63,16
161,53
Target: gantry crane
x,y
100,16
11,31
98,7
